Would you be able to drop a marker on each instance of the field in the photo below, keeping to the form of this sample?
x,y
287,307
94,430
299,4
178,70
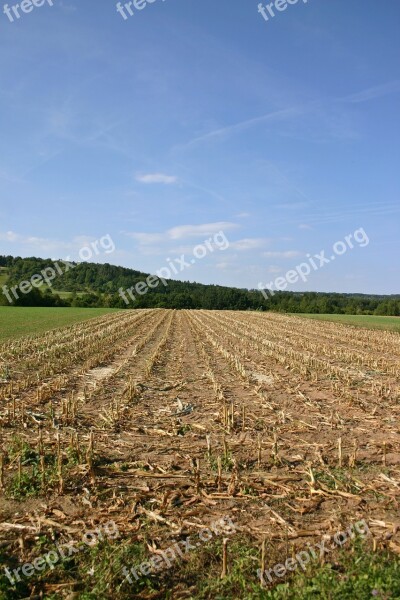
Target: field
x,y
368,321
246,438
17,322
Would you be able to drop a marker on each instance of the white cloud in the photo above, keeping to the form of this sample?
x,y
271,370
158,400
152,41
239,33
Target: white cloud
x,y
304,226
9,236
185,231
147,238
182,232
286,254
274,269
47,247
249,244
157,178
37,244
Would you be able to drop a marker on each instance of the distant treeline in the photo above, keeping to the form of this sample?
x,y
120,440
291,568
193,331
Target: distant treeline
x,y
95,285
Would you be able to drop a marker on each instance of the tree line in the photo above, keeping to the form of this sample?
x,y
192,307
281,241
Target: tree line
x,y
98,285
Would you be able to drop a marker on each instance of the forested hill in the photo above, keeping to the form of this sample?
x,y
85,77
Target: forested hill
x,y
91,284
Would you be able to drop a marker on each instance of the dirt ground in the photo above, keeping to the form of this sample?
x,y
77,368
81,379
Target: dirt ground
x,y
176,418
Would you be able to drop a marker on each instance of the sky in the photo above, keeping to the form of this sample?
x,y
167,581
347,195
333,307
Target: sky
x,y
189,120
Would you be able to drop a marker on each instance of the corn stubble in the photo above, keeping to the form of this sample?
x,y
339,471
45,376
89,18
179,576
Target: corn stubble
x,y
164,421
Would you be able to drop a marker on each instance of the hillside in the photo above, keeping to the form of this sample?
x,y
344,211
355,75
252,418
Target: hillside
x,y
104,285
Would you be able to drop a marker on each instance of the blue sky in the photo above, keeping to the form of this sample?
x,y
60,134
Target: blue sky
x,y
190,117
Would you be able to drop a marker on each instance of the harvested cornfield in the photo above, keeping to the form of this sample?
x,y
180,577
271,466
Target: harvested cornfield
x,y
152,427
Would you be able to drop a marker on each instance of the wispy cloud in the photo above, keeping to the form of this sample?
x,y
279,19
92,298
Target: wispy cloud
x,y
37,245
223,266
185,231
147,238
68,8
278,115
16,238
354,210
304,226
286,254
4,174
249,244
374,92
182,232
157,178
46,247
9,236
